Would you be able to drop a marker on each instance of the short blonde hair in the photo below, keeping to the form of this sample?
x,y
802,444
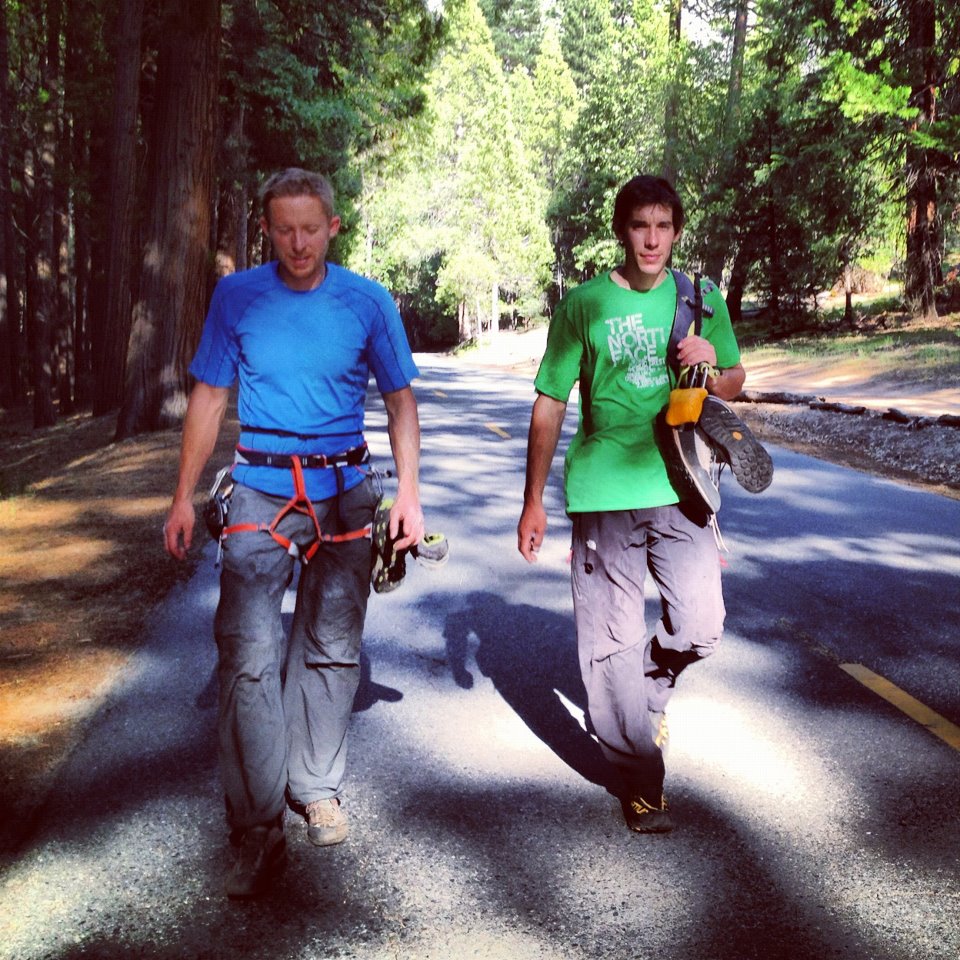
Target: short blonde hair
x,y
294,182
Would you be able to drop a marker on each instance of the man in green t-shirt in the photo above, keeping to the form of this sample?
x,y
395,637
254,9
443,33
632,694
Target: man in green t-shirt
x,y
611,333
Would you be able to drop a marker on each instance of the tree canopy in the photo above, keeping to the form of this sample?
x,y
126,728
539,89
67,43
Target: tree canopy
x,y
475,147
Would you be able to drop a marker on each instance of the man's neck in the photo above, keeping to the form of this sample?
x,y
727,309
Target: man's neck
x,y
635,280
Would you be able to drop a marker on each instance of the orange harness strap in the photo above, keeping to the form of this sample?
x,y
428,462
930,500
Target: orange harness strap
x,y
300,503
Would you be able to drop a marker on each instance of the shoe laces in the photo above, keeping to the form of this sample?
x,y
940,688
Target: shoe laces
x,y
323,813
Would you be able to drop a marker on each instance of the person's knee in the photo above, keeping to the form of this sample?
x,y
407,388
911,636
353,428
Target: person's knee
x,y
696,629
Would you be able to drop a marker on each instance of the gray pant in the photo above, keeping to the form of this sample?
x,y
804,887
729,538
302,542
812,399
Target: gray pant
x,y
627,677
285,706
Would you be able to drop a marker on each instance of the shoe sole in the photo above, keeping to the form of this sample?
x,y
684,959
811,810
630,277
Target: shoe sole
x,y
331,840
692,450
736,445
389,566
663,825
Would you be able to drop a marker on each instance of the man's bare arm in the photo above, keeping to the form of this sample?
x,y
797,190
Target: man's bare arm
x,y
403,425
728,384
546,422
201,427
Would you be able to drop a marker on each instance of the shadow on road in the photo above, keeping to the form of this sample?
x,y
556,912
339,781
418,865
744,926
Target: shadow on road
x,y
530,655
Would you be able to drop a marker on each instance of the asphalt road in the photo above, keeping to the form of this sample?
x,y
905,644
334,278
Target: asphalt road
x,y
815,819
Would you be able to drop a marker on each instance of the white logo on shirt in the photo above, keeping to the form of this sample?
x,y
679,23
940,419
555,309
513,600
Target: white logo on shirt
x,y
633,346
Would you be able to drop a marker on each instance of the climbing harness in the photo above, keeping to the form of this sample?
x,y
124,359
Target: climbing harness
x,y
217,508
388,565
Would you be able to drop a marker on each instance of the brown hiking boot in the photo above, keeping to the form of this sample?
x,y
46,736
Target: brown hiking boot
x,y
326,822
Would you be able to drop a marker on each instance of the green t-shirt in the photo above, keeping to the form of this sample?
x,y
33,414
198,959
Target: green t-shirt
x,y
614,340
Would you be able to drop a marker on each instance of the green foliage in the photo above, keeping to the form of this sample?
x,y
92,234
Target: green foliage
x,y
462,192
325,85
516,27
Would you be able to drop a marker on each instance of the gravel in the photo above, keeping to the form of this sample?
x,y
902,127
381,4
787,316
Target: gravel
x,y
921,451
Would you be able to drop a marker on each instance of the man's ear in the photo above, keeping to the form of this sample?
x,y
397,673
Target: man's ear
x,y
334,226
265,226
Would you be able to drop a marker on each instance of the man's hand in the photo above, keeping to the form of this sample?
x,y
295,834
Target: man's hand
x,y
200,428
406,518
178,530
531,530
693,350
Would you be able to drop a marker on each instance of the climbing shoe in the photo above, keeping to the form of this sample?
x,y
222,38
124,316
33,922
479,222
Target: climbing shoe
x,y
432,551
736,445
389,564
691,463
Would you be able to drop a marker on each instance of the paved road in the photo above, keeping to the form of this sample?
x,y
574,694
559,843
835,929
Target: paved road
x,y
815,819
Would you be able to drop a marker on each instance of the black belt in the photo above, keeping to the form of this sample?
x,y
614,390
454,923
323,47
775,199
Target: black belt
x,y
257,458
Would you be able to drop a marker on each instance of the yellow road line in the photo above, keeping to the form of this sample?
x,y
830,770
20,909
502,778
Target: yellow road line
x,y
939,726
497,430
439,393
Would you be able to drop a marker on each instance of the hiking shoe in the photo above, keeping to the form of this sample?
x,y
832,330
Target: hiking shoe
x,y
262,855
643,817
326,822
432,551
736,445
389,565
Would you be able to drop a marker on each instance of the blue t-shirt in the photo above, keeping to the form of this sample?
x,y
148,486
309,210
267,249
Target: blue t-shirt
x,y
303,359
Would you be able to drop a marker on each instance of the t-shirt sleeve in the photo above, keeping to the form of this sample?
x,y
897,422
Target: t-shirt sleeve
x,y
389,355
719,331
560,366
217,358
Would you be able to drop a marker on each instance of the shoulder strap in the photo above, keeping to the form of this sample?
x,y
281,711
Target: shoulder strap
x,y
688,293
690,312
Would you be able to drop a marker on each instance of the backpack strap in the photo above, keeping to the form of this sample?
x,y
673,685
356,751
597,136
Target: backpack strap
x,y
689,314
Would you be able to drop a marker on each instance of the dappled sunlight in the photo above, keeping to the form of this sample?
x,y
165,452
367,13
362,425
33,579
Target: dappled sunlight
x,y
41,561
732,752
51,689
904,552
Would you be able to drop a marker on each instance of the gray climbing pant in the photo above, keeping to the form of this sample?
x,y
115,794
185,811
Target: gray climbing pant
x,y
629,674
285,704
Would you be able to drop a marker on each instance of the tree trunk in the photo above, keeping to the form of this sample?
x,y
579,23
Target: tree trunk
x,y
717,254
168,313
231,216
673,95
848,317
738,283
11,377
42,275
110,319
923,233
63,333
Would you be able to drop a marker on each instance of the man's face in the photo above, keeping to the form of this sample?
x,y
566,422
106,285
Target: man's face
x,y
648,237
300,231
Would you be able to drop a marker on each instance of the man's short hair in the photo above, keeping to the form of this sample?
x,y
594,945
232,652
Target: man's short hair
x,y
294,182
644,191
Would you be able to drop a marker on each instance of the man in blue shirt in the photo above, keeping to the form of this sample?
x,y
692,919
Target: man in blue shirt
x,y
301,337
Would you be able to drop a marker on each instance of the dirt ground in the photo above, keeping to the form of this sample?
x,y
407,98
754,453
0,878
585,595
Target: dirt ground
x,y
81,560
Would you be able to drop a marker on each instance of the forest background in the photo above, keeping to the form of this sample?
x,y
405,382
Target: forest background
x,y
475,146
